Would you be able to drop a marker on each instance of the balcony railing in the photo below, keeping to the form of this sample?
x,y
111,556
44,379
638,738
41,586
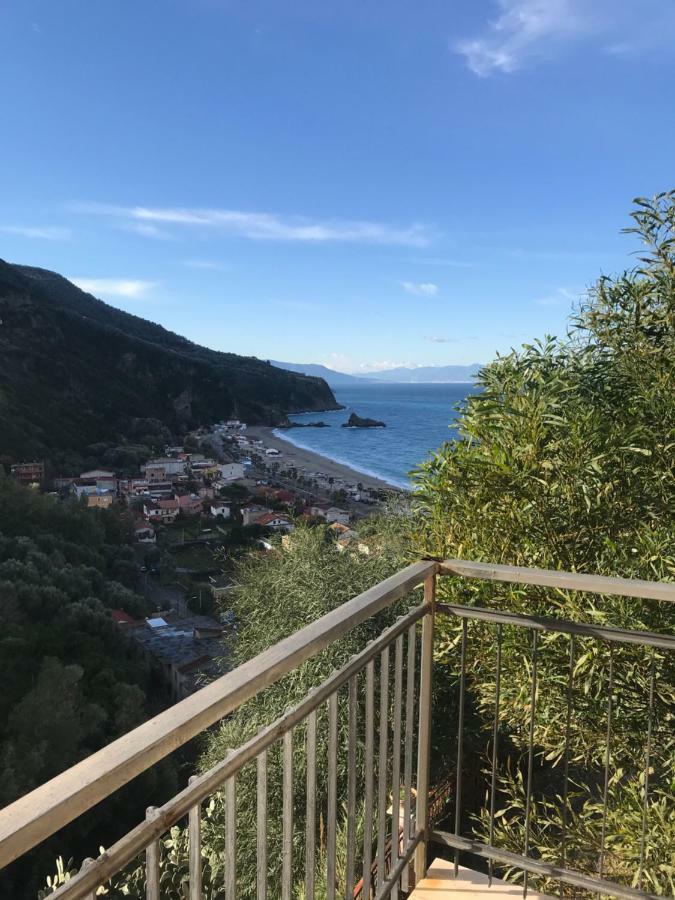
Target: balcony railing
x,y
379,848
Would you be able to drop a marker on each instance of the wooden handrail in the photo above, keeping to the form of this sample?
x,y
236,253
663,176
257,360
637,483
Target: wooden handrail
x,y
42,812
568,581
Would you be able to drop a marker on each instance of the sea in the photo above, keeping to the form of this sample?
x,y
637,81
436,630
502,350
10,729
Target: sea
x,y
418,418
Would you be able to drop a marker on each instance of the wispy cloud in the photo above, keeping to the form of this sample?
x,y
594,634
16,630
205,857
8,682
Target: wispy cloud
x,y
39,232
526,31
265,226
131,289
559,297
148,230
439,339
420,288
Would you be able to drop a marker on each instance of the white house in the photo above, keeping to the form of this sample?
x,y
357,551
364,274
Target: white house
x,y
220,509
335,514
232,471
272,451
276,521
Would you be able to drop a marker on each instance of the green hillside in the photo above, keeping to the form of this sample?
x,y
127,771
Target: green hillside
x,y
75,372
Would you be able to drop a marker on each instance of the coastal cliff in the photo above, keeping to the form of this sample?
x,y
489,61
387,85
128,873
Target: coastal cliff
x,y
76,372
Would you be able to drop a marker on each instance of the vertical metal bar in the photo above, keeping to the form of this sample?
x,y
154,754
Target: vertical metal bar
x,y
495,742
368,770
566,757
424,728
261,826
195,849
351,790
332,794
85,865
396,761
530,752
152,861
382,767
408,743
310,813
231,838
605,792
287,817
460,742
648,753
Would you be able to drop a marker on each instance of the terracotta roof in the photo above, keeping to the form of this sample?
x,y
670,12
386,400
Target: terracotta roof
x,y
121,617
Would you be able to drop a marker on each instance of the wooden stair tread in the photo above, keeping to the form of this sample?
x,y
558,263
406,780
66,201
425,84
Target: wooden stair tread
x,y
440,882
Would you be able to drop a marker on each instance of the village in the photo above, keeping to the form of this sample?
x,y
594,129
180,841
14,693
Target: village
x,y
195,510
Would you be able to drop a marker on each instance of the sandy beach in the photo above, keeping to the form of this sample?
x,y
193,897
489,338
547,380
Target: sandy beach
x,y
314,462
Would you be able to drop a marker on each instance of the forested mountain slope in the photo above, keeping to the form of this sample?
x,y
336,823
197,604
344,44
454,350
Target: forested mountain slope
x,y
76,372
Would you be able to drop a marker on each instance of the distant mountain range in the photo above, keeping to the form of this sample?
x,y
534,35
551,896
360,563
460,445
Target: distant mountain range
x,y
400,375
318,371
428,374
75,372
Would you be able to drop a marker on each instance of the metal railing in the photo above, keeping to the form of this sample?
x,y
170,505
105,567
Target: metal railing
x,y
385,690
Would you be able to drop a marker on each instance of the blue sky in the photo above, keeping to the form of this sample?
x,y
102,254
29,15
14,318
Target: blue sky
x,y
363,184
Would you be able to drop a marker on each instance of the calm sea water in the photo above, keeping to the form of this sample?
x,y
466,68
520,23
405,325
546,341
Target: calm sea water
x,y
418,417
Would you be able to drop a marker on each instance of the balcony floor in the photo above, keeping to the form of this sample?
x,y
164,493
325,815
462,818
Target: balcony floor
x,y
440,882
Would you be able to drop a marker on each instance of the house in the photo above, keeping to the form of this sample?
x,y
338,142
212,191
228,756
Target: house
x,y
189,504
98,475
272,451
144,533
133,486
161,510
183,647
251,514
28,473
220,509
100,500
170,466
231,471
318,510
276,521
83,488
155,473
335,514
160,490
121,618
205,468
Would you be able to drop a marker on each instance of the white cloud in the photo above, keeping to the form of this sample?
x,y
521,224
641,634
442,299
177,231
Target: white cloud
x,y
559,297
342,362
529,30
113,287
145,229
420,289
439,339
524,29
264,226
40,232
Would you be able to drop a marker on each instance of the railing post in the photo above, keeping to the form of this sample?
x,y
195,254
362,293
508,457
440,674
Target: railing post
x,y
424,731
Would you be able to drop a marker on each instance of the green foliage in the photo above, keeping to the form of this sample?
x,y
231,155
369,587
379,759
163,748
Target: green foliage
x,y
276,596
566,461
72,681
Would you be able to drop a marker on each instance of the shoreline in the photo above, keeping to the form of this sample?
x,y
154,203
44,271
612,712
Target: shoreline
x,y
312,461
